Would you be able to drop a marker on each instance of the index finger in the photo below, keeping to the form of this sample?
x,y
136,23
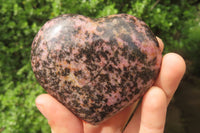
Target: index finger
x,y
172,70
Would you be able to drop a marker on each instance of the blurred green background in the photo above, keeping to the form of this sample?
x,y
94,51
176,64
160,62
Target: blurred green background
x,y
177,22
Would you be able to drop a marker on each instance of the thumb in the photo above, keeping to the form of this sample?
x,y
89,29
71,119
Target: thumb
x,y
60,119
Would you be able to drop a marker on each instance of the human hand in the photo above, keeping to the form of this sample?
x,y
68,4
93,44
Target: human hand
x,y
149,116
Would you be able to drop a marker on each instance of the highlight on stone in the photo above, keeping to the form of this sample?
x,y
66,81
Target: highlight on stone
x,y
95,67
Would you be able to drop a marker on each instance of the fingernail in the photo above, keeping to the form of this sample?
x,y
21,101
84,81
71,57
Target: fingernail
x,y
40,107
39,104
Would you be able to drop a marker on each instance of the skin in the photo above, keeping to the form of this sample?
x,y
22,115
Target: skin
x,y
149,116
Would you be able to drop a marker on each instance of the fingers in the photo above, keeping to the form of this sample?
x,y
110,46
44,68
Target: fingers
x,y
172,70
153,111
59,118
150,115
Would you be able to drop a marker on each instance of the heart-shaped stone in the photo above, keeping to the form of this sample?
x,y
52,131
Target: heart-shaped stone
x,y
96,67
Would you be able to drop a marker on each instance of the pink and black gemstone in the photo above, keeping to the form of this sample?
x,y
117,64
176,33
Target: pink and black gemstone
x,y
96,67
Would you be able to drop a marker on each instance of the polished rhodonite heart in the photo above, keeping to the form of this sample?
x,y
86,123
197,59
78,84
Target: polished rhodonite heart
x,y
96,67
